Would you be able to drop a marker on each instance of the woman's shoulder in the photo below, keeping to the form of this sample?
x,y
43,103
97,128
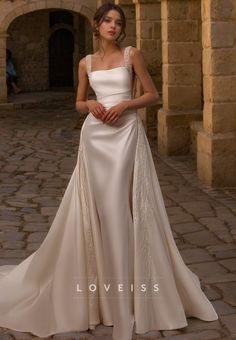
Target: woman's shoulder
x,y
134,53
82,61
130,48
133,50
85,58
83,64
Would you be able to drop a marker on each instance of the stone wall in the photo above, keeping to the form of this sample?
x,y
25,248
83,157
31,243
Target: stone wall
x,y
216,155
182,75
28,41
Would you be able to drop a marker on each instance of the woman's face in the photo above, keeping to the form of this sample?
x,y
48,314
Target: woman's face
x,y
111,26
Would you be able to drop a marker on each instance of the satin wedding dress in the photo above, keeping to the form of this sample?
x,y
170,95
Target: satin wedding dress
x,y
109,256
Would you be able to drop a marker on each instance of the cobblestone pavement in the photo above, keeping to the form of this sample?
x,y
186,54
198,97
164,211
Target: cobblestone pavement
x,y
38,152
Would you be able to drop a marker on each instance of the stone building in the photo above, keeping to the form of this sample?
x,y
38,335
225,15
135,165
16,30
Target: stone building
x,y
190,50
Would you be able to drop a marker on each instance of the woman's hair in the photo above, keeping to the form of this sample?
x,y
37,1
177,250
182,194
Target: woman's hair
x,y
100,15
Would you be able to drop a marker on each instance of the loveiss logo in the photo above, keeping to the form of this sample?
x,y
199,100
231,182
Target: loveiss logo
x,y
113,287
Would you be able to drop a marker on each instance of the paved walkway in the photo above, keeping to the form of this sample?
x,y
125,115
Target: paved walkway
x,y
38,151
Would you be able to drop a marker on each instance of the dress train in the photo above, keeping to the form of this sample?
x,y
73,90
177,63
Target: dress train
x,y
111,228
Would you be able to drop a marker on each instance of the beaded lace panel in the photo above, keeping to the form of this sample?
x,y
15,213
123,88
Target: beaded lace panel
x,y
141,207
88,63
88,236
127,61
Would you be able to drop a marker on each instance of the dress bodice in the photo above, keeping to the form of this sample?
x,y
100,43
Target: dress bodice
x,y
113,85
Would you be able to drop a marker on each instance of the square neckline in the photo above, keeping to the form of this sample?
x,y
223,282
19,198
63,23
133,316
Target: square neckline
x,y
109,69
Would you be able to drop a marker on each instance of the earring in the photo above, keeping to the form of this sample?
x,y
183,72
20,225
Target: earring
x,y
96,32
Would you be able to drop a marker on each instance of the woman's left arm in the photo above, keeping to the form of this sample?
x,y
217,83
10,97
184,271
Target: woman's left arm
x,y
151,95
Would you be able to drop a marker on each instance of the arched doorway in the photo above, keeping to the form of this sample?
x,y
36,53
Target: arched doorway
x,y
61,48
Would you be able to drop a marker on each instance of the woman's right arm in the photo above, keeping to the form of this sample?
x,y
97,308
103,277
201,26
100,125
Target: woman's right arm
x,y
83,85
83,105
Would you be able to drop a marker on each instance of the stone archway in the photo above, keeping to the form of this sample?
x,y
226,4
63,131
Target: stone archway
x,y
10,10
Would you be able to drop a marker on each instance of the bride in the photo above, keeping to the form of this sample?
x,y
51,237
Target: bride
x,y
111,228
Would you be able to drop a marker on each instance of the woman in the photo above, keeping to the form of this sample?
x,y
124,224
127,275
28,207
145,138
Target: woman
x,y
109,256
11,73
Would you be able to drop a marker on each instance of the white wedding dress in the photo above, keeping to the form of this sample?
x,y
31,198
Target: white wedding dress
x,y
111,230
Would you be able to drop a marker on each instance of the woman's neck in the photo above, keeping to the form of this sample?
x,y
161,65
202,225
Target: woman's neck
x,y
107,48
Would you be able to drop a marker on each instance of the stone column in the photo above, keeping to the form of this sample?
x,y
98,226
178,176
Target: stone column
x,y
216,144
148,41
129,10
3,86
182,74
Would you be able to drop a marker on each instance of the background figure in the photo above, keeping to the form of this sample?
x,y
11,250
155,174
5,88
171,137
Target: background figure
x,y
11,74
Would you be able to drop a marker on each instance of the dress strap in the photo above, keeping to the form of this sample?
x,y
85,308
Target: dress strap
x,y
127,60
126,55
88,63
